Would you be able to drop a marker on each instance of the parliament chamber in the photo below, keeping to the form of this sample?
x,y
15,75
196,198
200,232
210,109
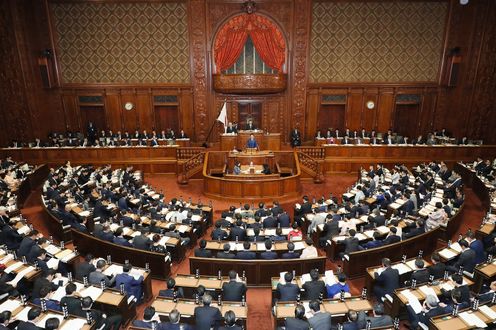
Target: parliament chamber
x,y
247,164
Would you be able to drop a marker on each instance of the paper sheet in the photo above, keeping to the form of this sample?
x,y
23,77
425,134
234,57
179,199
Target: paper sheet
x,y
472,320
58,294
23,314
329,277
73,324
428,291
299,245
21,274
305,278
447,254
52,249
53,263
13,267
456,246
68,257
488,312
113,270
92,292
10,305
412,300
402,268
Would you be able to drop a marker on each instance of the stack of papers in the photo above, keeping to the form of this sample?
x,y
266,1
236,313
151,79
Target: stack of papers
x,y
447,254
10,305
329,277
305,278
412,300
13,267
472,320
73,324
91,291
402,268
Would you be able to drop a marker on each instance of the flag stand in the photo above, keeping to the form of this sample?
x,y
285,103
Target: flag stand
x,y
204,144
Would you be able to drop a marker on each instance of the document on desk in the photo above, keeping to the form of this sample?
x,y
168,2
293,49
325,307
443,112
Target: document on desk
x,y
10,305
299,245
456,246
113,270
401,268
91,291
13,267
472,320
52,249
428,291
73,324
447,254
412,300
42,321
305,278
488,312
21,275
329,277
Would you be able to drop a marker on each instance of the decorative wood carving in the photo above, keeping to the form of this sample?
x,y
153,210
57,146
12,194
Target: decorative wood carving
x,y
197,17
301,38
250,83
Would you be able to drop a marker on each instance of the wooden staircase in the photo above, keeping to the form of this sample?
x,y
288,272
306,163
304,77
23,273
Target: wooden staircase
x,y
311,160
189,163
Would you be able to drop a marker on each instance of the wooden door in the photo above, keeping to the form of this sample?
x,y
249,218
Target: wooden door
x,y
94,114
331,116
166,117
250,110
406,120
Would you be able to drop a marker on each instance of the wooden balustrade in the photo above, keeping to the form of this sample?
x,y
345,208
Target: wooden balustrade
x,y
191,166
314,152
187,153
311,166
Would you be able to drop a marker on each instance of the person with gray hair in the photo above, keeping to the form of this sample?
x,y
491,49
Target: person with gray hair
x,y
207,316
174,322
430,308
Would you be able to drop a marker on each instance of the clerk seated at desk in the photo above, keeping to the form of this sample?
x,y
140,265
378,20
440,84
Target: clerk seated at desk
x,y
250,126
237,168
252,143
231,129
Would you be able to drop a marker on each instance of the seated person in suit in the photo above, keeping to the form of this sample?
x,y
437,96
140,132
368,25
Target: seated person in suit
x,y
334,291
238,232
419,229
230,321
351,321
430,308
376,242
466,259
119,239
486,295
351,244
225,254
291,254
218,233
456,299
386,280
298,322
202,251
250,125
132,285
288,291
51,304
171,287
314,289
97,276
237,168
149,316
174,322
377,320
392,237
246,254
476,245
207,316
420,274
295,138
5,317
464,289
438,268
266,169
233,290
102,321
71,298
231,128
268,254
310,251
84,268
34,315
252,143
52,323
319,320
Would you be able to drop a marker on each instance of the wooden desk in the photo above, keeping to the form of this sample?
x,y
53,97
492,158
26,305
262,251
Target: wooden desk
x,y
258,272
449,322
186,307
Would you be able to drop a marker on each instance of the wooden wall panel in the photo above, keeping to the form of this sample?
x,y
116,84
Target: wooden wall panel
x,y
187,112
369,115
354,109
71,111
113,110
145,110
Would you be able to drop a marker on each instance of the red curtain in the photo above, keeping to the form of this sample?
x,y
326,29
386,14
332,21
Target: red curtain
x,y
267,39
268,42
229,43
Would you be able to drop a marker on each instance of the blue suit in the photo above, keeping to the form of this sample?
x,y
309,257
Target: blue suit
x,y
268,255
51,304
251,143
121,241
335,289
132,287
480,254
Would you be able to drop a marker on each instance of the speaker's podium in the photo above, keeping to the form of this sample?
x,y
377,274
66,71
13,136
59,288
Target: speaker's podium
x,y
266,141
263,175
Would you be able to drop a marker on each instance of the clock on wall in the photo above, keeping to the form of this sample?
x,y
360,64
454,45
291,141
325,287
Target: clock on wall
x,y
129,106
370,105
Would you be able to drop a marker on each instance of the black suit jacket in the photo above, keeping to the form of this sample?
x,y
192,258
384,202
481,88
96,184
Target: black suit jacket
x,y
351,244
207,317
83,269
246,255
386,282
421,276
73,304
437,270
288,291
314,288
467,260
392,239
27,326
292,323
204,253
233,291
